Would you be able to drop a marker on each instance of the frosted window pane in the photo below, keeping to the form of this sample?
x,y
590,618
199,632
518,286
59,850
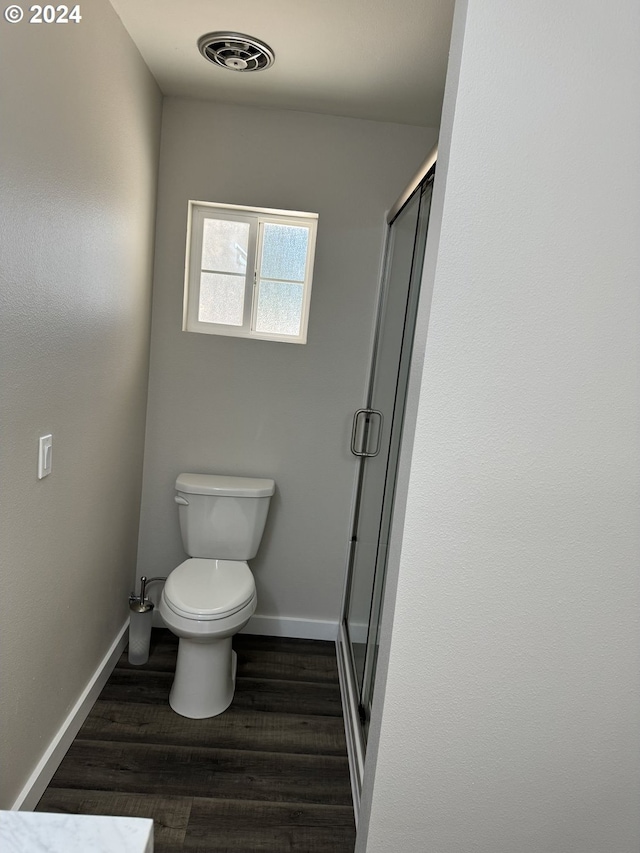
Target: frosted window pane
x,y
284,251
224,245
279,308
221,299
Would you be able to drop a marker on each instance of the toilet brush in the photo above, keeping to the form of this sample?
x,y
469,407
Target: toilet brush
x,y
140,620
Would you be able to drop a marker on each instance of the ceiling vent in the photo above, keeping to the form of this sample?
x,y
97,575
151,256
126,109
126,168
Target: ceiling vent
x,y
236,52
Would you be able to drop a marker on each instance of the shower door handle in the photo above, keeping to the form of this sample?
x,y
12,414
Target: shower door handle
x,y
363,421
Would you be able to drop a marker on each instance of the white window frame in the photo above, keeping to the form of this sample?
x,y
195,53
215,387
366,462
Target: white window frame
x,y
257,217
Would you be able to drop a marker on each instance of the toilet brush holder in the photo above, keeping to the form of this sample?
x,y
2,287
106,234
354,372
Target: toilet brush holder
x,y
140,619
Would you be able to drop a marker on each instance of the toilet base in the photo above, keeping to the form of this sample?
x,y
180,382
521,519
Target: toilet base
x,y
205,678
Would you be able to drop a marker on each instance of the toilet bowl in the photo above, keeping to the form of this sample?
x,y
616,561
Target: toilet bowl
x,y
204,603
207,599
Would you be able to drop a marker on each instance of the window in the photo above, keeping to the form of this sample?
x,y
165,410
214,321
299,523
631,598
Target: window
x,y
248,271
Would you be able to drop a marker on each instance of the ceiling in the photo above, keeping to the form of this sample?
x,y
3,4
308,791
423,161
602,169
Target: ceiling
x,y
374,59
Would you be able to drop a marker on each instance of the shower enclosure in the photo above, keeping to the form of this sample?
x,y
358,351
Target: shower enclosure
x,y
375,439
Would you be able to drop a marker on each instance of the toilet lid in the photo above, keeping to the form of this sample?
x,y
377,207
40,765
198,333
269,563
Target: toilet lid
x,y
209,589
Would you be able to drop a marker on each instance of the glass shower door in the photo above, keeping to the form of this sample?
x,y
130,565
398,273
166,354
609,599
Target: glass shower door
x,y
376,438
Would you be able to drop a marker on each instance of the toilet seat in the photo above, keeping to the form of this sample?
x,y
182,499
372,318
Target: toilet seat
x,y
209,589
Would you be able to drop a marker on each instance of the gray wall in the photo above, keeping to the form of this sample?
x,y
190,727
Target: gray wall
x,y
79,138
219,404
510,720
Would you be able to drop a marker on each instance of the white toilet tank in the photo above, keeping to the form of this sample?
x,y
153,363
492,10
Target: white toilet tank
x,y
222,518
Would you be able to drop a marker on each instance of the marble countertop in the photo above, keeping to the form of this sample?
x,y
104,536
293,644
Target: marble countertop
x,y
39,832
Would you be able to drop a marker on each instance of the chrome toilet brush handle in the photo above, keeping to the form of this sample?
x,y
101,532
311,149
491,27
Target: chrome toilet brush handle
x,y
140,619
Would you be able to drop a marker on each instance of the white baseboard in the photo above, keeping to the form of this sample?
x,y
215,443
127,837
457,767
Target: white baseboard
x,y
55,752
358,632
304,629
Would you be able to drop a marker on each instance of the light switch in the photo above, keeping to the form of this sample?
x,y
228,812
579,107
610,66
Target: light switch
x,y
45,452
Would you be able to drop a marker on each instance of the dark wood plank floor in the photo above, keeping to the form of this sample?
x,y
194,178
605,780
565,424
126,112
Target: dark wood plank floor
x,y
270,774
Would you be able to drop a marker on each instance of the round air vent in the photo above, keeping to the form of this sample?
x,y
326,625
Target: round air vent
x,y
236,52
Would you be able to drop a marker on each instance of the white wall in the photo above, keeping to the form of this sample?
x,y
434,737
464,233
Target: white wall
x,y
510,719
79,134
236,406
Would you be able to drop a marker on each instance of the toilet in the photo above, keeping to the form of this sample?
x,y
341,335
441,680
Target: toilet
x,y
211,596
